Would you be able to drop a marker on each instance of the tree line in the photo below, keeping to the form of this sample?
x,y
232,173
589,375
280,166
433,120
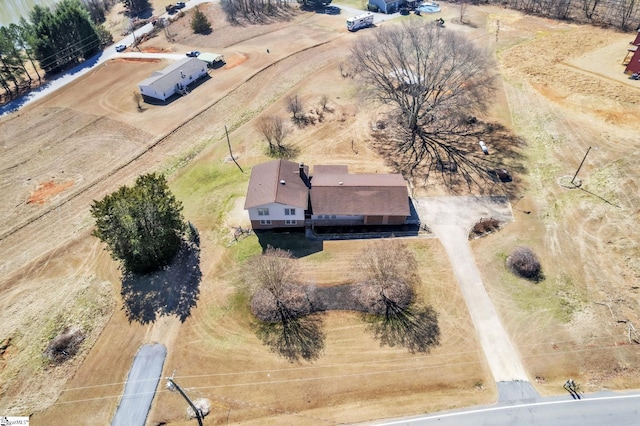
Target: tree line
x,y
50,41
622,14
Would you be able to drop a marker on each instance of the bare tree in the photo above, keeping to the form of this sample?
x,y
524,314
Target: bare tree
x,y
295,107
265,125
388,295
324,100
274,129
137,98
433,80
283,307
463,9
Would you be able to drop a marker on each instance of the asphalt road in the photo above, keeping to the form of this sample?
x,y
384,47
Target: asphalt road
x,y
600,409
141,386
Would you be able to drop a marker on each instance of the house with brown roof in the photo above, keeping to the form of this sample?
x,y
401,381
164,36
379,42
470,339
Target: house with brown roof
x,y
281,194
339,198
278,195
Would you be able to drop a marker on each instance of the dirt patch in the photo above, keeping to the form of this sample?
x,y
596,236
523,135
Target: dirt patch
x,y
47,190
235,59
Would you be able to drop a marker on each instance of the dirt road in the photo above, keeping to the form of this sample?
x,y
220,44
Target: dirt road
x,y
451,219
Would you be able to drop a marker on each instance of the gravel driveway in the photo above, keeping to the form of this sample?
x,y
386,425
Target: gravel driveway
x,y
451,219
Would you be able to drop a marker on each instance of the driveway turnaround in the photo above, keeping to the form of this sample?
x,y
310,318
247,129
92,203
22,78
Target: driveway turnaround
x,y
141,386
451,219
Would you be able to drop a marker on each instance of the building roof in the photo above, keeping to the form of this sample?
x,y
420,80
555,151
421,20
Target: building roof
x,y
265,185
210,57
330,169
360,194
167,78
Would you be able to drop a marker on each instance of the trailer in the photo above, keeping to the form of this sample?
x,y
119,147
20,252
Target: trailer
x,y
360,21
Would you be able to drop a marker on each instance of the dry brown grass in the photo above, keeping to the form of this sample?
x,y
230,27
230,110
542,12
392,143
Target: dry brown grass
x,y
589,248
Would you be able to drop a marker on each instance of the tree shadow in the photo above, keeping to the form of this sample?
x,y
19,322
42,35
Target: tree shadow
x,y
174,290
295,337
455,159
414,327
283,151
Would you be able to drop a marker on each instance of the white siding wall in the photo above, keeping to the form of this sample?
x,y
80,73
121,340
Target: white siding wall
x,y
276,212
337,217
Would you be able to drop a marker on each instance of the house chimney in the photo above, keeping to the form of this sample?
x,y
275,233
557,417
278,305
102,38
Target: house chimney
x,y
303,175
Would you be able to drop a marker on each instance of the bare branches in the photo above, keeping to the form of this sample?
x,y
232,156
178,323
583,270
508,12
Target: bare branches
x,y
524,263
275,129
434,81
388,295
294,106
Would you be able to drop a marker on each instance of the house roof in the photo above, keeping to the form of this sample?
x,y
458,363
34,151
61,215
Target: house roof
x,y
265,185
330,169
166,78
360,194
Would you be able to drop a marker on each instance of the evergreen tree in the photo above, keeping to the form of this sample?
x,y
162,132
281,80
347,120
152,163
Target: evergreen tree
x,y
199,23
142,225
63,36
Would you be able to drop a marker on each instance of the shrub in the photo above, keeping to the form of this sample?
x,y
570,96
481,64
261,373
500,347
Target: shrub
x,y
524,263
64,346
485,226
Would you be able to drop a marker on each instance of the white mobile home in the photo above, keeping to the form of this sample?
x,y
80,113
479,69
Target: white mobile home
x,y
173,79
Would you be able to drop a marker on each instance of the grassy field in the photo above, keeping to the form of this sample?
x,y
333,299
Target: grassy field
x,y
568,324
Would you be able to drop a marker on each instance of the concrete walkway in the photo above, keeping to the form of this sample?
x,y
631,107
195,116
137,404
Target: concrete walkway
x,y
451,219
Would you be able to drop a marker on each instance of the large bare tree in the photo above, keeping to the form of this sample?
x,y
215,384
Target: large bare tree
x,y
389,270
435,81
283,307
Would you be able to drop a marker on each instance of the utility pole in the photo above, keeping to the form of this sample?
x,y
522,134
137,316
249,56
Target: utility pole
x,y
172,386
580,166
231,153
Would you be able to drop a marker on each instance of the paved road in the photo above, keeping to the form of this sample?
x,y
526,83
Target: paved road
x,y
451,219
141,386
601,409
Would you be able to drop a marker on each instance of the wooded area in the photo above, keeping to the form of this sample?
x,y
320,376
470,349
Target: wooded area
x,y
55,39
622,14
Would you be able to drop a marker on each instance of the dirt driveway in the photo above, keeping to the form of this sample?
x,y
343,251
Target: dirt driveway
x,y
451,219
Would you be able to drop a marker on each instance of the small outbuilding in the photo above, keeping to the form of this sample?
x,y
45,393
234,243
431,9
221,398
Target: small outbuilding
x,y
173,79
211,59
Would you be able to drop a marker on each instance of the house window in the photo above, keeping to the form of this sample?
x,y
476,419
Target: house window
x,y
290,222
289,212
265,222
263,212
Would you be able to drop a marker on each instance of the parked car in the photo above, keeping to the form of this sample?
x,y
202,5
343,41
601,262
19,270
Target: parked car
x,y
171,9
332,10
193,53
484,148
121,47
180,4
